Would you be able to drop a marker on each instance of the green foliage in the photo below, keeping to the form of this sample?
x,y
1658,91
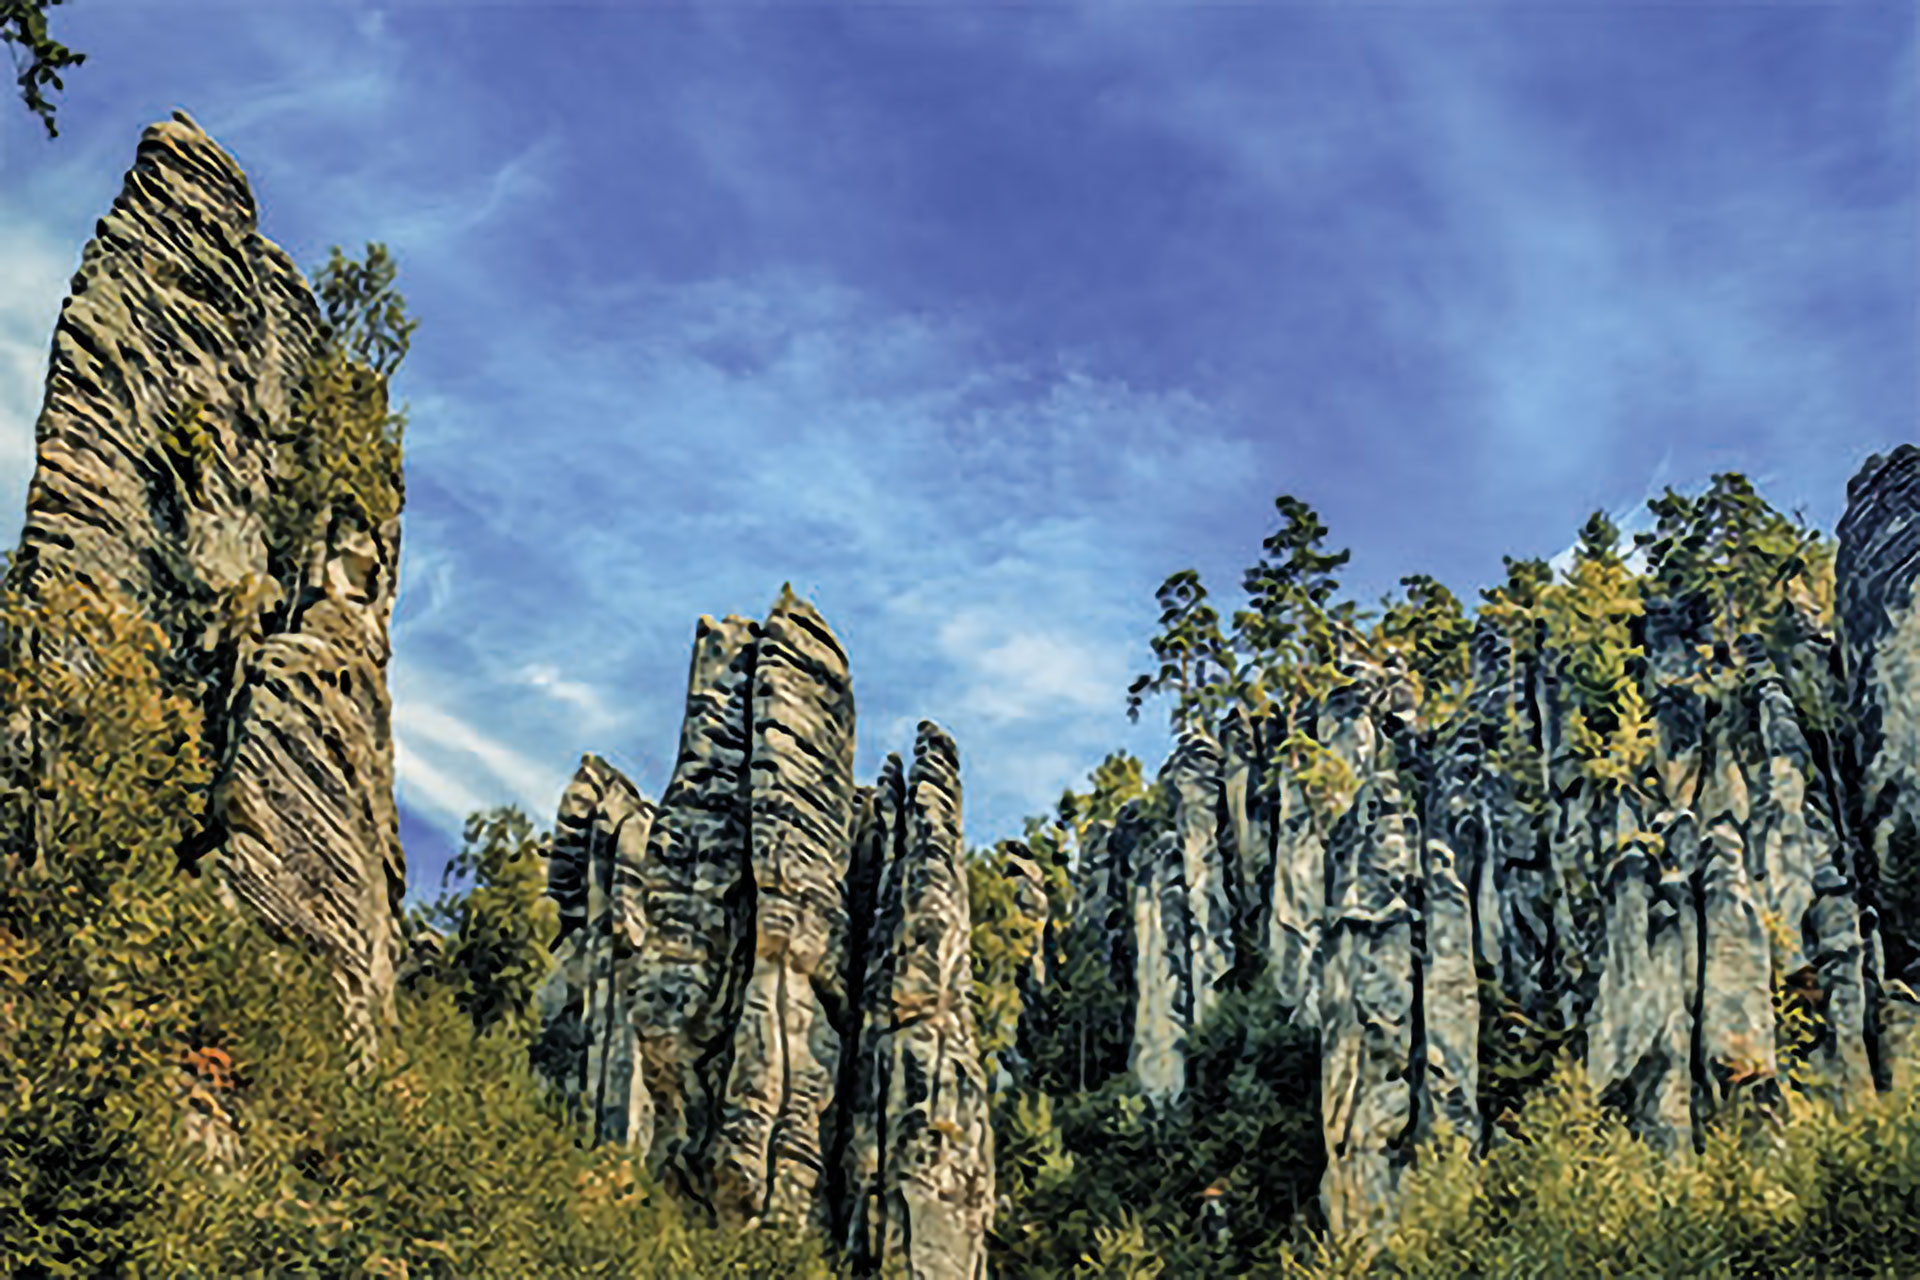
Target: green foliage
x,y
1325,780
1082,1011
1518,1054
1430,630
1516,607
499,927
366,316
93,933
1589,620
1731,547
1809,1194
441,1161
182,1094
1799,1025
23,24
1510,603
1195,661
1098,1183
1290,636
1115,780
1003,942
343,454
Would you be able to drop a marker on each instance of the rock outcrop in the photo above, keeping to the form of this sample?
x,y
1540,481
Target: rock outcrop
x,y
1763,859
1368,1002
1878,563
769,996
926,1194
762,982
594,863
746,942
164,445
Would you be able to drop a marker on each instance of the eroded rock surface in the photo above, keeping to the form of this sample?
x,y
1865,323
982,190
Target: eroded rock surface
x,y
931,1200
1369,1034
773,979
162,443
1877,566
594,868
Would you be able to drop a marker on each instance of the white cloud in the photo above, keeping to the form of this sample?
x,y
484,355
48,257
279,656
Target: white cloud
x,y
437,752
437,222
307,94
1013,672
430,790
584,698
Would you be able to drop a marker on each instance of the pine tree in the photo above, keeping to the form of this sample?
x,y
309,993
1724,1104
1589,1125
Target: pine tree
x,y
1430,630
1196,663
1290,633
1589,630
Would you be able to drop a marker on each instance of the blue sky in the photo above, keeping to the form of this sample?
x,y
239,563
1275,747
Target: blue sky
x,y
975,322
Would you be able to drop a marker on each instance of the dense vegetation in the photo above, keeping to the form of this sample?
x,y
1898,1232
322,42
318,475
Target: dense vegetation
x,y
1095,1181
180,1093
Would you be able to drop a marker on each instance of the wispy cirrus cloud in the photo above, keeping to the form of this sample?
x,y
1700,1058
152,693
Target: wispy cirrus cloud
x,y
974,323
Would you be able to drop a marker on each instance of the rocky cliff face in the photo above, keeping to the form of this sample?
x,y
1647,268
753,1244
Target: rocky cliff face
x,y
163,443
594,864
924,1164
1766,855
764,983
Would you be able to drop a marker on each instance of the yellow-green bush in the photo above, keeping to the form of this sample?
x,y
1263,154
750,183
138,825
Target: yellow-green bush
x,y
1803,1192
180,1094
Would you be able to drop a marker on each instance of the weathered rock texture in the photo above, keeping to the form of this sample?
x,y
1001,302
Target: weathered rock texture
x,y
162,443
594,863
930,1196
763,983
768,993
1878,564
1771,851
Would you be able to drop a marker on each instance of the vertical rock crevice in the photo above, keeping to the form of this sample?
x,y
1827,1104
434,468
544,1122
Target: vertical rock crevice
x,y
162,444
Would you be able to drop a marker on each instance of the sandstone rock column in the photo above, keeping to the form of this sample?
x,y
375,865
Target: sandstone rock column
x,y
1639,1040
934,1198
1298,908
697,956
174,371
745,886
1245,839
799,828
1366,1002
860,1213
1161,971
1878,561
1450,998
595,866
1832,929
1207,870
1736,999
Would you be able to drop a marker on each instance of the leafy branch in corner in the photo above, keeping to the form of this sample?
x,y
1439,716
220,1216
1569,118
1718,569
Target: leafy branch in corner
x,y
23,24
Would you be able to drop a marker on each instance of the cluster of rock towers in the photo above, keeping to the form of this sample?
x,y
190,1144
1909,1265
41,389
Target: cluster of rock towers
x,y
762,980
1653,922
